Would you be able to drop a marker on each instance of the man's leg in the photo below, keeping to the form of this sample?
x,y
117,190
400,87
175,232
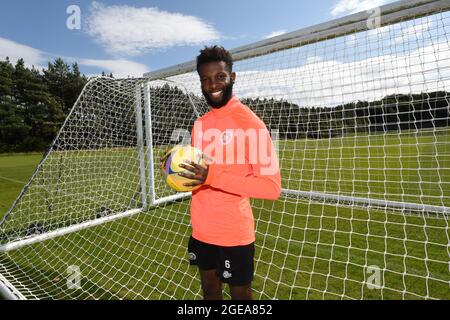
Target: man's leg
x,y
241,292
204,256
211,285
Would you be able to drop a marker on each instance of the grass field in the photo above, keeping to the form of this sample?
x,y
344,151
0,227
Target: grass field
x,y
15,171
305,249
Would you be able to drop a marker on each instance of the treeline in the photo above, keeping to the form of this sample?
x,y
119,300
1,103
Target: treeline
x,y
392,113
175,110
34,104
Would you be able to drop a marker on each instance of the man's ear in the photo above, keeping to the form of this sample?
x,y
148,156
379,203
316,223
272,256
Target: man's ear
x,y
233,77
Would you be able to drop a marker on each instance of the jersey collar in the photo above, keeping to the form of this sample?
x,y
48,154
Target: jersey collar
x,y
226,109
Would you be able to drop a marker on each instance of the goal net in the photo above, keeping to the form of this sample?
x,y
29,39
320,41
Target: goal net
x,y
358,109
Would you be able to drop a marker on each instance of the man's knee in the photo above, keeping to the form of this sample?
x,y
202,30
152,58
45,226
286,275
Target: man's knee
x,y
241,292
211,288
211,285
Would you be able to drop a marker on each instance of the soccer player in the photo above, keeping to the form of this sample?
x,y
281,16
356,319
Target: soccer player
x,y
242,165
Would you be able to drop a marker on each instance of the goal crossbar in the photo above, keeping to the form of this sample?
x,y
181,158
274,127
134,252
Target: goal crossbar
x,y
400,11
390,13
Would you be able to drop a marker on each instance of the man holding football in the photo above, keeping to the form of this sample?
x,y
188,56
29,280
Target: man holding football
x,y
242,165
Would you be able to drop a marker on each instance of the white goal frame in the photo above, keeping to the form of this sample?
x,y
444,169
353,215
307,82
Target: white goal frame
x,y
389,14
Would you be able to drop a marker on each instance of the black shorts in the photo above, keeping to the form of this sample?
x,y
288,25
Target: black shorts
x,y
233,265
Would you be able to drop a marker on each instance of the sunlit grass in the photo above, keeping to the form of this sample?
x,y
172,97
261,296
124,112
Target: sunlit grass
x,y
304,249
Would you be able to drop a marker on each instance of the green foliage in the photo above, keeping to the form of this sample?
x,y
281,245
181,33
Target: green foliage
x,y
392,113
64,83
33,105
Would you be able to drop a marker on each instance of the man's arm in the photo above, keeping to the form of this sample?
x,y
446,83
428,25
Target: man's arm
x,y
260,187
265,183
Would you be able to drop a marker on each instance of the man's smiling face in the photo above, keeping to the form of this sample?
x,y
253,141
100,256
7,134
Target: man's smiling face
x,y
216,82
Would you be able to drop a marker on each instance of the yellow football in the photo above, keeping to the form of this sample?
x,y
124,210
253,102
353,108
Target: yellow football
x,y
170,166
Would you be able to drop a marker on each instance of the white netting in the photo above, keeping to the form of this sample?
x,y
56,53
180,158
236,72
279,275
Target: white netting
x,y
364,145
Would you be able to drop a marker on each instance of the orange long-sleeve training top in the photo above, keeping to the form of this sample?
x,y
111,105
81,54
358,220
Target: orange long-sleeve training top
x,y
243,165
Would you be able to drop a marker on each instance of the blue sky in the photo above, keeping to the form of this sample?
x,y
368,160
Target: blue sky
x,y
130,37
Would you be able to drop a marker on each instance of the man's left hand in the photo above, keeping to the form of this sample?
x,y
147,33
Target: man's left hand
x,y
198,173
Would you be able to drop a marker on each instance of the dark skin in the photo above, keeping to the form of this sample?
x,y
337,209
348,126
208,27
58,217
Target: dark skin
x,y
214,78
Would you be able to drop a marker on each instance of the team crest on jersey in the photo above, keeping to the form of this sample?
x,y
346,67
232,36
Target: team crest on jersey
x,y
226,137
192,256
226,274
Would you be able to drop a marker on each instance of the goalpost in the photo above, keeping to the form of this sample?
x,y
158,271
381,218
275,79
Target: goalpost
x,y
359,111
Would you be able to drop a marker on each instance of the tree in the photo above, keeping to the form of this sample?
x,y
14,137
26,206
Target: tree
x,y
40,111
64,83
13,129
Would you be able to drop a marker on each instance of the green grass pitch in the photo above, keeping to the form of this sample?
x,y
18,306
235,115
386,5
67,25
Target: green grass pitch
x,y
305,249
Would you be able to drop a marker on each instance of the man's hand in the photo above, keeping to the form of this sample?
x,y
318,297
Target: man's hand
x,y
198,173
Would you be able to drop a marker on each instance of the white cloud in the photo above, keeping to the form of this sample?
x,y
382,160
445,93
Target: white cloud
x,y
327,82
415,31
130,31
275,33
350,40
119,68
321,82
15,51
392,35
346,7
39,59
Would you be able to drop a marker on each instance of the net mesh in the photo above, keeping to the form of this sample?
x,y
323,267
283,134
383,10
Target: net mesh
x,y
362,127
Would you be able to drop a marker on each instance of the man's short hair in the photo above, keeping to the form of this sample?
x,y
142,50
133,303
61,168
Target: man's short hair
x,y
215,54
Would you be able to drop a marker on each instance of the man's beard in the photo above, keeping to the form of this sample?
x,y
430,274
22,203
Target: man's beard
x,y
226,96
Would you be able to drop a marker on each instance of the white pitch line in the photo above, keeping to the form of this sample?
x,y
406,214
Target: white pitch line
x,y
12,180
